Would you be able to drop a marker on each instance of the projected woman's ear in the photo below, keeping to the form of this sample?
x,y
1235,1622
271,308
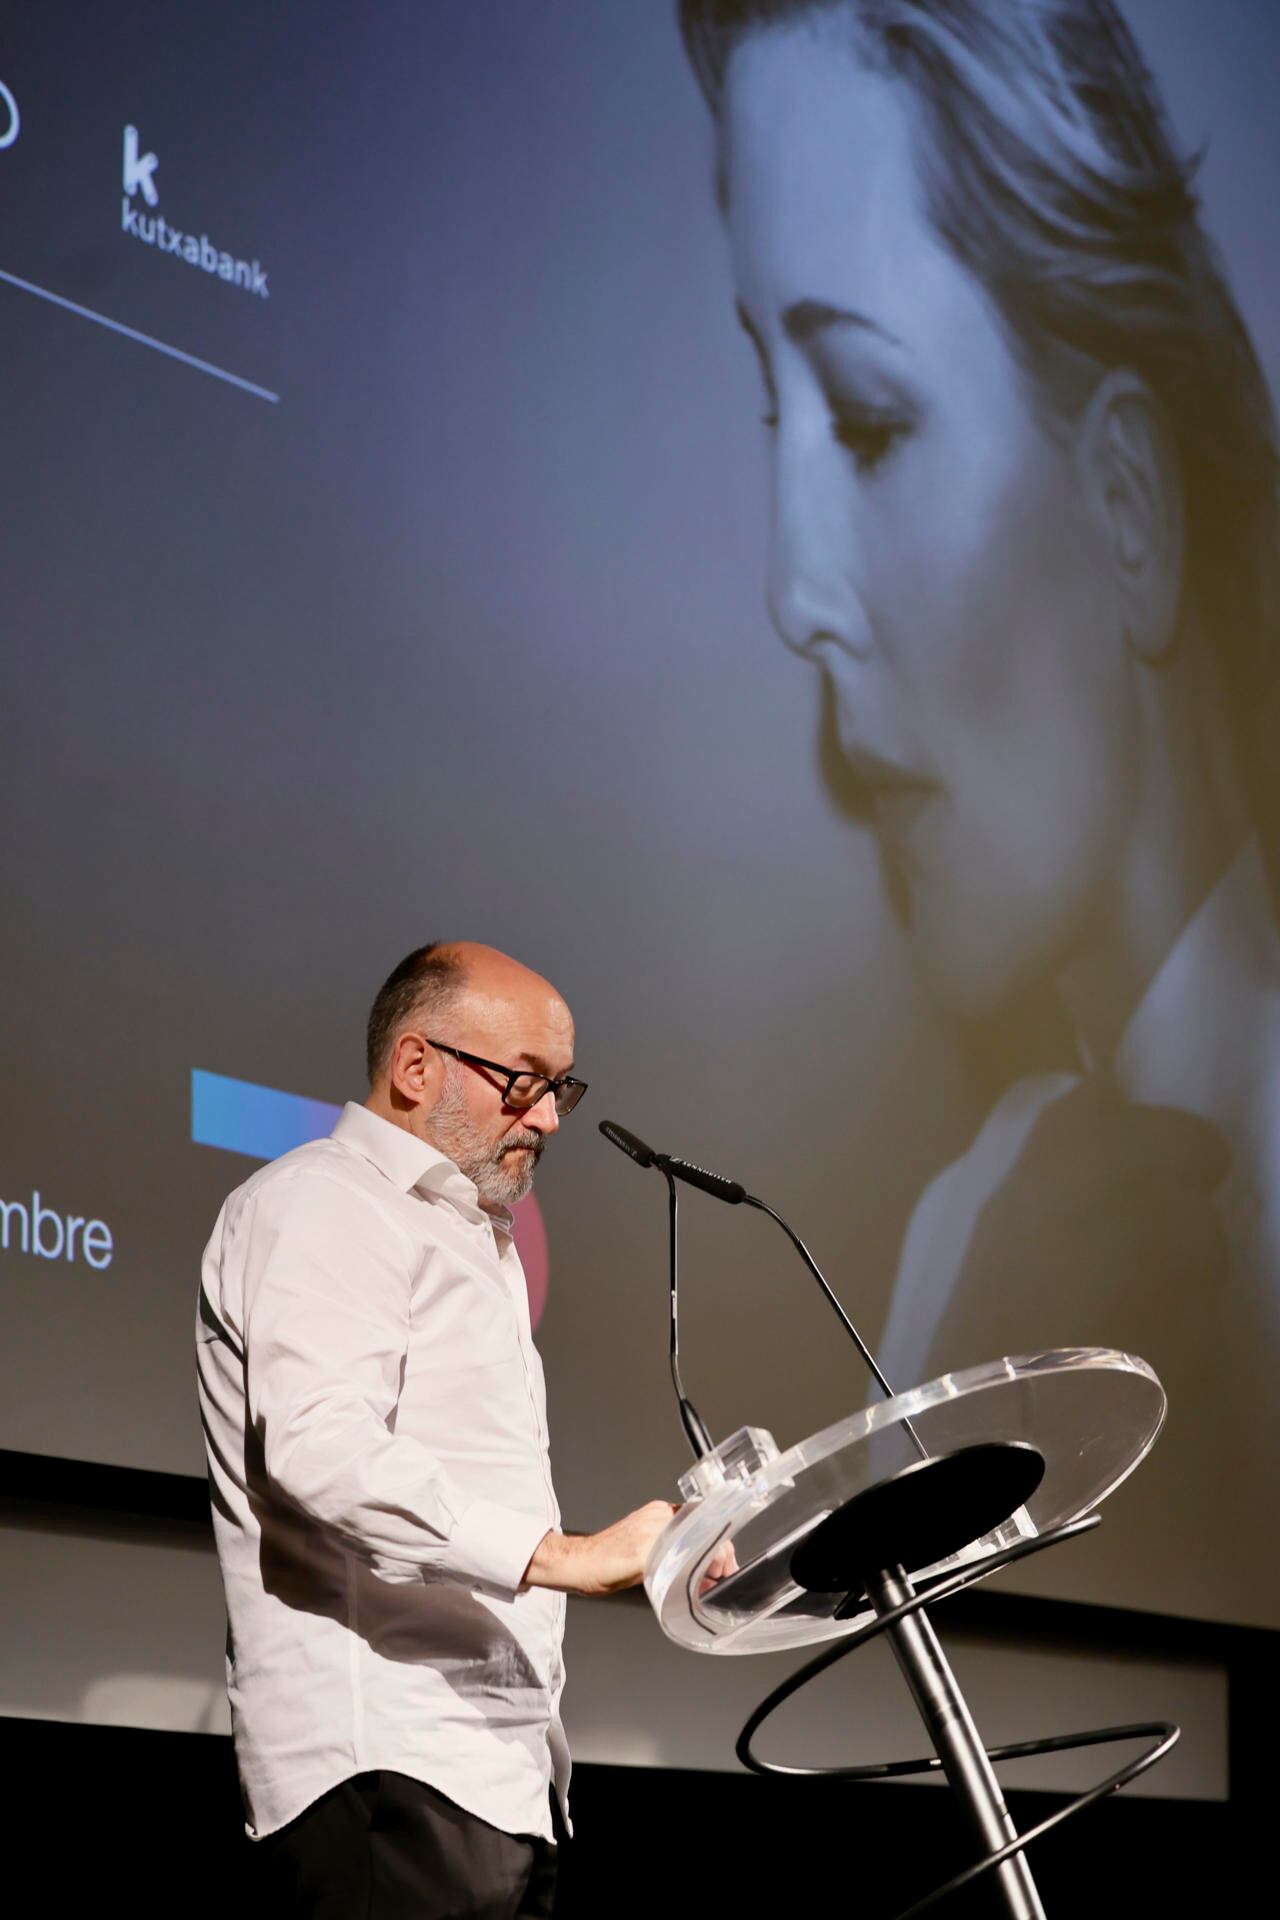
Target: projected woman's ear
x,y
1128,467
1024,524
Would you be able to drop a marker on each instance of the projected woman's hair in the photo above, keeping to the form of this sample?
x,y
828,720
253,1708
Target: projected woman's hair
x,y
1024,522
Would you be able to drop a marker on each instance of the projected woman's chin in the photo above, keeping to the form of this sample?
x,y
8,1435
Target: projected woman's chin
x,y
992,860
933,549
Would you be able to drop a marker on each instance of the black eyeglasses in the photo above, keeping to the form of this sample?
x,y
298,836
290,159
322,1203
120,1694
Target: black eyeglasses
x,y
523,1089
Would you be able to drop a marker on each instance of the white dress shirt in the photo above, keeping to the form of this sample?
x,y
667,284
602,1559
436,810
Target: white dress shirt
x,y
375,1423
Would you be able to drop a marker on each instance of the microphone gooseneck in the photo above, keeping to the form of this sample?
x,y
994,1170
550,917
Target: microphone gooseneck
x,y
734,1194
695,1427
828,1295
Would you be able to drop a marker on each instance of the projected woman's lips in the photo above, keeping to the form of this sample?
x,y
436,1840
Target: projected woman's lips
x,y
897,794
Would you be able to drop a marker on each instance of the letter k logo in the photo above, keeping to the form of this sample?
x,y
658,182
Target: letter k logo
x,y
139,170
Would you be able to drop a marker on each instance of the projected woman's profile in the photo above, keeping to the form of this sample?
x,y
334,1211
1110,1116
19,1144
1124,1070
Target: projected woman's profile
x,y
1023,476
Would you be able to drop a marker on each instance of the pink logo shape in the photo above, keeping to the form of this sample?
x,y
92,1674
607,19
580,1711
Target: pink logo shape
x,y
530,1235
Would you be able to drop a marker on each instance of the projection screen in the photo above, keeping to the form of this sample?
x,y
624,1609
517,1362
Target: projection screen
x,y
394,549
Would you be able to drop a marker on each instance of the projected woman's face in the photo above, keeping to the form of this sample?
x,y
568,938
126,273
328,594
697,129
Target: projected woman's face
x,y
932,551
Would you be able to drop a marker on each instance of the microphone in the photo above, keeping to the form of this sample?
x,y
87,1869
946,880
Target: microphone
x,y
714,1183
630,1145
734,1194
635,1149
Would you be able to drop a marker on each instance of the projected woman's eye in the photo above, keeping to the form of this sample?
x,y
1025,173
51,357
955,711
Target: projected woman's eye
x,y
868,436
1023,522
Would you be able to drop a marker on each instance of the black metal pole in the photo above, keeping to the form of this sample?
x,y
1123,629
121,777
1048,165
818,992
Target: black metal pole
x,y
964,1759
691,1420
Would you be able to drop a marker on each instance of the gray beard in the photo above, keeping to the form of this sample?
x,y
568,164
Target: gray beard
x,y
500,1174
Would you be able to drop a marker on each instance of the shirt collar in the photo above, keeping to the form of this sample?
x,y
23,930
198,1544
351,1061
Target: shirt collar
x,y
410,1164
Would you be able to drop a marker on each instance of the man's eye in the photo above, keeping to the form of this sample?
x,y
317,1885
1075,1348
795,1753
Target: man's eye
x,y
867,436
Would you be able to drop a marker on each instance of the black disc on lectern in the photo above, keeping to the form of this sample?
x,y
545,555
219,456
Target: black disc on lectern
x,y
922,1514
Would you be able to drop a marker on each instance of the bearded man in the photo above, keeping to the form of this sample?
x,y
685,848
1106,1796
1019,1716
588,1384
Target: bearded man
x,y
375,1423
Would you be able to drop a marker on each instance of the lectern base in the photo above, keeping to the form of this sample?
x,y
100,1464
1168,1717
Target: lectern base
x,y
917,1500
917,1517
956,1741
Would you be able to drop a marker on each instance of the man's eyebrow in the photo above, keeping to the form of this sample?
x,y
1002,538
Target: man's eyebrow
x,y
803,318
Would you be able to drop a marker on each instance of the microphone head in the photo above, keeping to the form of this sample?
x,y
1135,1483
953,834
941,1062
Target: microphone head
x,y
731,1191
634,1148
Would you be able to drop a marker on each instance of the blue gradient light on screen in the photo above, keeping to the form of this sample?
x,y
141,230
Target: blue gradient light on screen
x,y
262,1122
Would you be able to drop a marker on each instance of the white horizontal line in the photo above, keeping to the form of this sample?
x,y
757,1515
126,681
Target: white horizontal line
x,y
144,339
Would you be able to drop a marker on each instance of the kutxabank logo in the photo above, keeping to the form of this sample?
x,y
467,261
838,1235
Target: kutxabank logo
x,y
197,250
262,1123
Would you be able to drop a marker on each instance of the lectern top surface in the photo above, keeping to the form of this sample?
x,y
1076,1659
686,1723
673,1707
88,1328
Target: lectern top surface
x,y
1090,1412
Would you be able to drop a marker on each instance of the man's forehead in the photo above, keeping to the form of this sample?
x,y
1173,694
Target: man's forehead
x,y
529,1016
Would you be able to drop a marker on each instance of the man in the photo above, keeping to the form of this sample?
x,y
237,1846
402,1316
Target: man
x,y
375,1422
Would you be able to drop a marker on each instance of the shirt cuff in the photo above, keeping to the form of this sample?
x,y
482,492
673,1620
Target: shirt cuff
x,y
495,1544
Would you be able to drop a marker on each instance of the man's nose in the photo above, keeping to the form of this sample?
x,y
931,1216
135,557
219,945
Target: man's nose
x,y
542,1115
814,563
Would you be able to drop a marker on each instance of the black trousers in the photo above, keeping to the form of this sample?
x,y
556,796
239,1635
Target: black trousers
x,y
385,1847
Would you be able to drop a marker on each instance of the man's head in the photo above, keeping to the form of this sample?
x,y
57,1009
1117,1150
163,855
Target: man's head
x,y
471,998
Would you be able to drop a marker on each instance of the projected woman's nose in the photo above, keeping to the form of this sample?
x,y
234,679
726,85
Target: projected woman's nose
x,y
814,586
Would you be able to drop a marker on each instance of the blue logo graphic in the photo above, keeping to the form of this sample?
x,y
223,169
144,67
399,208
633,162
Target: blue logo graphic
x,y
260,1122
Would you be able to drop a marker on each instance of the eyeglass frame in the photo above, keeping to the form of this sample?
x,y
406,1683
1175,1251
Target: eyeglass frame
x,y
518,1073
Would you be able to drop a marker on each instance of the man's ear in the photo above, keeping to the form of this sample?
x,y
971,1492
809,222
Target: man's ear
x,y
414,1069
1129,469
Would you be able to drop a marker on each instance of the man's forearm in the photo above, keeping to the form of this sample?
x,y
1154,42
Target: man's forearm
x,y
599,1563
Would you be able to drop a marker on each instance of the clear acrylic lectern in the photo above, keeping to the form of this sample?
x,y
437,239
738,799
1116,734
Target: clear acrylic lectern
x,y
858,1529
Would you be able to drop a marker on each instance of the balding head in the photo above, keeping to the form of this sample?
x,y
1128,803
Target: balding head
x,y
497,995
463,995
450,979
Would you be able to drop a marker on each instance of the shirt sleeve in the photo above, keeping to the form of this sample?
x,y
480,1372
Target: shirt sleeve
x,y
325,1329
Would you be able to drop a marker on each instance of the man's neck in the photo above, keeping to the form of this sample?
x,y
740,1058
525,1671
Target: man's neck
x,y
384,1102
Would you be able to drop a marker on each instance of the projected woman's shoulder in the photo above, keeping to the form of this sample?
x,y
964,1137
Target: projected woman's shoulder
x,y
1024,519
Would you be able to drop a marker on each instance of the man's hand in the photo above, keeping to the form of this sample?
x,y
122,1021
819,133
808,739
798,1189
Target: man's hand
x,y
596,1563
722,1563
